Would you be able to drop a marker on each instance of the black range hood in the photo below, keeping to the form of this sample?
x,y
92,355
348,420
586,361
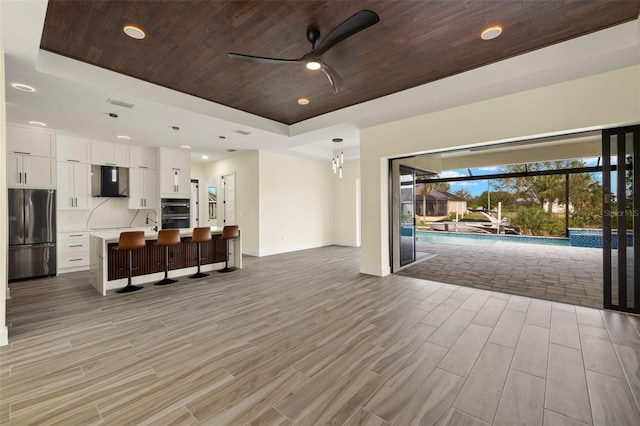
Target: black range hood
x,y
113,181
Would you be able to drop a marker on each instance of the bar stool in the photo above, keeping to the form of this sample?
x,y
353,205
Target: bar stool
x,y
199,236
129,241
166,239
229,232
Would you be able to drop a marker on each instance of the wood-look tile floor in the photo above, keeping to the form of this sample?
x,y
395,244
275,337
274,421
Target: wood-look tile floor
x,y
303,338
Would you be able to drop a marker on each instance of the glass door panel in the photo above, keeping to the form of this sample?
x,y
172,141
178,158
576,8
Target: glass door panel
x,y
407,215
621,219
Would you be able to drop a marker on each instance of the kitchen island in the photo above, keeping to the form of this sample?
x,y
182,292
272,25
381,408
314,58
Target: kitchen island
x,y
108,267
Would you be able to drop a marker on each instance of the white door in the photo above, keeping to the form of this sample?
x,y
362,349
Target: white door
x,y
195,204
229,197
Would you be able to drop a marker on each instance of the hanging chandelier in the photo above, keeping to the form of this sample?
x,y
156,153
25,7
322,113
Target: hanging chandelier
x,y
338,157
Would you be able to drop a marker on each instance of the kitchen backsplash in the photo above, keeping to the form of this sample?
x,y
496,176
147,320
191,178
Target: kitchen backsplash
x,y
104,213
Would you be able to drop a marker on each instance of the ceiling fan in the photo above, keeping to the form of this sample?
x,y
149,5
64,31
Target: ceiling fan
x,y
313,60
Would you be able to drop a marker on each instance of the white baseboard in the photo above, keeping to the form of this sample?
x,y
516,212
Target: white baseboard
x,y
378,272
293,248
4,336
249,252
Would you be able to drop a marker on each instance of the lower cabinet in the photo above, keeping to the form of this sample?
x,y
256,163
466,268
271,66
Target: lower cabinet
x,y
73,251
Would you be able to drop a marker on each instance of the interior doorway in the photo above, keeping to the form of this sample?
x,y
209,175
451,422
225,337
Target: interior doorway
x,y
195,203
228,186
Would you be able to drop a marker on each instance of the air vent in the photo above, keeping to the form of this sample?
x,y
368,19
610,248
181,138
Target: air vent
x,y
242,132
120,103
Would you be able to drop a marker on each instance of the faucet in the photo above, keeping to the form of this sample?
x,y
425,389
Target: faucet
x,y
155,228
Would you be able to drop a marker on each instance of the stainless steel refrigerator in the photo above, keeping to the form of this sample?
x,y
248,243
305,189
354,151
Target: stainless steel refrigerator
x,y
32,233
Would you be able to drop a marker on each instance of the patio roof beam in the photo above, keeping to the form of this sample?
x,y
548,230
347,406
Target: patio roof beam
x,y
576,170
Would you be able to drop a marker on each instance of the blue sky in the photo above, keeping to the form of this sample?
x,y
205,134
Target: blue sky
x,y
477,187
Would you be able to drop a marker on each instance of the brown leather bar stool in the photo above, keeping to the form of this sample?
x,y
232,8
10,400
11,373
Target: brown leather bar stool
x,y
229,232
166,239
199,236
129,241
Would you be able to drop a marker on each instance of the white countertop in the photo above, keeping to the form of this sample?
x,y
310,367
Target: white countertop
x,y
149,234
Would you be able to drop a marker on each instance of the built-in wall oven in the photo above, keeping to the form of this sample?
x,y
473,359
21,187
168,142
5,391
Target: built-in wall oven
x,y
175,213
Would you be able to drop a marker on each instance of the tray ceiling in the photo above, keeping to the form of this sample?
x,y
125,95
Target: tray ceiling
x,y
415,42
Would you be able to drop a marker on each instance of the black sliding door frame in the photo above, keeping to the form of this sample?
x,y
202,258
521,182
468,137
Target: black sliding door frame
x,y
621,263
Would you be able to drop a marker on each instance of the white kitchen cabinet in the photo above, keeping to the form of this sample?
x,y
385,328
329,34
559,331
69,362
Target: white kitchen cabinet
x,y
29,141
175,184
142,188
74,185
142,157
29,171
73,251
175,159
73,149
109,154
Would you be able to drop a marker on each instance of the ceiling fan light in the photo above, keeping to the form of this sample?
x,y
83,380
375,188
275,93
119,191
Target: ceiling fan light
x,y
313,64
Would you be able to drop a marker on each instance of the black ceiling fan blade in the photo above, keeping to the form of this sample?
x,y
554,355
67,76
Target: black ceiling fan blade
x,y
337,84
261,59
354,24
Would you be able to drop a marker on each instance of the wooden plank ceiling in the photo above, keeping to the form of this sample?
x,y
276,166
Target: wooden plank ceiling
x,y
416,42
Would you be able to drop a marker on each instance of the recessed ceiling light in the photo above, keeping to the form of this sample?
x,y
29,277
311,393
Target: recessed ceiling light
x,y
303,101
23,87
38,123
134,32
205,157
491,33
185,146
125,137
313,64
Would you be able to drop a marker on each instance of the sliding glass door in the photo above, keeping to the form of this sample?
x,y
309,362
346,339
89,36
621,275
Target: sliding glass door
x,y
621,219
407,215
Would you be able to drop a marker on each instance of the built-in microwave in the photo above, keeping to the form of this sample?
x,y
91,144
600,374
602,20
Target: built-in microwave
x,y
175,213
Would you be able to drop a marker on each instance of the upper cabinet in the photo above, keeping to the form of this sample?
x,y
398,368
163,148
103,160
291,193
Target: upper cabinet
x,y
109,154
29,141
31,158
77,150
175,159
142,157
30,171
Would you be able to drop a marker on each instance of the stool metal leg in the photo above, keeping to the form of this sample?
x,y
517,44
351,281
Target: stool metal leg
x,y
166,280
199,274
129,287
226,261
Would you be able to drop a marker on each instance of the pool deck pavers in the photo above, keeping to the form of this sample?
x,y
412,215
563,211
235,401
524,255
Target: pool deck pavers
x,y
561,274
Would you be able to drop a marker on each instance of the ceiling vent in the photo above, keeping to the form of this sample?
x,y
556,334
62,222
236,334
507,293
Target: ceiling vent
x,y
120,103
242,132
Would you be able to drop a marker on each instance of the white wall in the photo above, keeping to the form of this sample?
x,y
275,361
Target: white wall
x,y
296,203
246,169
4,220
346,205
603,100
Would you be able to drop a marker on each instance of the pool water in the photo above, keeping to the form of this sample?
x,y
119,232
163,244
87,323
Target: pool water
x,y
442,237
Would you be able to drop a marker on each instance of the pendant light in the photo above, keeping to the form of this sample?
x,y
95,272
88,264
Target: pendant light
x,y
338,157
114,170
